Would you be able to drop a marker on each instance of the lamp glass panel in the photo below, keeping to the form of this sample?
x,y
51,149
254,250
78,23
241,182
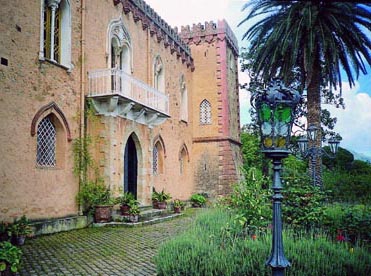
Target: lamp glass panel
x,y
282,114
303,145
266,128
334,144
312,132
265,113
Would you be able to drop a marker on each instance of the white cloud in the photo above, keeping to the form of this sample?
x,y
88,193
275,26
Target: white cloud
x,y
180,12
244,99
354,122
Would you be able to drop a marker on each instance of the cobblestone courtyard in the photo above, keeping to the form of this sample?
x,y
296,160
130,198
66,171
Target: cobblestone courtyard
x,y
99,251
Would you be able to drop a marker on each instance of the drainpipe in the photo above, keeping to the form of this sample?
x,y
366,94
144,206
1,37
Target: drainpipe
x,y
82,89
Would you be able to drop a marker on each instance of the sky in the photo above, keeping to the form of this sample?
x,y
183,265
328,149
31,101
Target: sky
x,y
353,122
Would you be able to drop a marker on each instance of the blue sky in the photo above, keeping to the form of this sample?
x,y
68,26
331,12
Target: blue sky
x,y
354,122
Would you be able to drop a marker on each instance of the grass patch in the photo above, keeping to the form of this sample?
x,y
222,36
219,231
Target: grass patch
x,y
215,245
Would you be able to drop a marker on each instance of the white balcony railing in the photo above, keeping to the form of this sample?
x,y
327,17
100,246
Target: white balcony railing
x,y
107,82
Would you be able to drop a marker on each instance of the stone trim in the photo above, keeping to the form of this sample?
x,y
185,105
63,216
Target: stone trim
x,y
215,139
158,27
159,139
184,147
52,107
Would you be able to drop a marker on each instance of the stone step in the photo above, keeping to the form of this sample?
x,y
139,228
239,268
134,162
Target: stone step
x,y
162,216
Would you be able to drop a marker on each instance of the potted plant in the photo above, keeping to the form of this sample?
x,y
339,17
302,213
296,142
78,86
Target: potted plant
x,y
178,205
134,211
198,200
160,198
124,199
4,229
19,230
96,198
10,258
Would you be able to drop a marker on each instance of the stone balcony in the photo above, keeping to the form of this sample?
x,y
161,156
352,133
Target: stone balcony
x,y
115,93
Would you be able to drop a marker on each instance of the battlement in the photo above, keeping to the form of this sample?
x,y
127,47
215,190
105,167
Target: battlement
x,y
158,27
209,32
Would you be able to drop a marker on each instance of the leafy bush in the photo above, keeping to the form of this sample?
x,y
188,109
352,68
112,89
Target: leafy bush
x,y
160,196
302,205
198,200
346,187
354,222
125,198
92,194
251,201
215,245
20,227
10,256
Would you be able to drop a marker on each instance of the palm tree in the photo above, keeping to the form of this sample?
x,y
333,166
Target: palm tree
x,y
317,38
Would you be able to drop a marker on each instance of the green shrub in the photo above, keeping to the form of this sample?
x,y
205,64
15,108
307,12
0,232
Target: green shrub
x,y
160,196
215,245
354,222
251,202
198,200
302,204
10,256
92,194
343,186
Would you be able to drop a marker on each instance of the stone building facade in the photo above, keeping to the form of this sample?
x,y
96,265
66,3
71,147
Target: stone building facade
x,y
165,103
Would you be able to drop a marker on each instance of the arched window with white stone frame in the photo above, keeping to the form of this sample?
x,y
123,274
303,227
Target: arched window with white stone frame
x,y
205,112
183,100
55,32
119,56
158,74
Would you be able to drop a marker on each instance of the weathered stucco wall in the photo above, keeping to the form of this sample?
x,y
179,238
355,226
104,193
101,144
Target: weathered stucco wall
x,y
175,133
32,88
26,85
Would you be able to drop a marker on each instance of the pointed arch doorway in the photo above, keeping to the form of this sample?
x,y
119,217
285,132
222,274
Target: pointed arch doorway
x,y
131,167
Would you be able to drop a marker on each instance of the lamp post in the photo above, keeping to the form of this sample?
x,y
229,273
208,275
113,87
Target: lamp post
x,y
314,153
276,105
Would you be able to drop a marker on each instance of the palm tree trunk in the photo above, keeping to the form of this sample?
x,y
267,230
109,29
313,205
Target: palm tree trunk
x,y
314,117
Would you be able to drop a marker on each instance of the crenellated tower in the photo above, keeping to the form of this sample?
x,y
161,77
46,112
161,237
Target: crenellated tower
x,y
216,127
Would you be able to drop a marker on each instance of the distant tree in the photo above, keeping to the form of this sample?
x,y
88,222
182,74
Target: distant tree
x,y
317,39
343,159
360,167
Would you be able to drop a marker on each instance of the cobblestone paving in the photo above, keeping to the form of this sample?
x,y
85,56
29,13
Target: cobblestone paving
x,y
99,251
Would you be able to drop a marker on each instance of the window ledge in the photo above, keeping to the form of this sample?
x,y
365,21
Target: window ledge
x,y
69,69
46,168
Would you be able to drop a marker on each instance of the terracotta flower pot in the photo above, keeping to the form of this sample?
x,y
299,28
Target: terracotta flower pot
x,y
124,210
18,240
161,205
103,213
177,210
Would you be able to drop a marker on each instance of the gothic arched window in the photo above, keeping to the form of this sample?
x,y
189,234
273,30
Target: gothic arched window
x,y
159,74
183,100
46,143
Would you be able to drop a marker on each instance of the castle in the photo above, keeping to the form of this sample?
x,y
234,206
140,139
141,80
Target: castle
x,y
165,103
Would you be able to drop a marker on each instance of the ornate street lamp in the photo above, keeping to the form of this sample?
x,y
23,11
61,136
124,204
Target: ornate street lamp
x,y
313,152
276,107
